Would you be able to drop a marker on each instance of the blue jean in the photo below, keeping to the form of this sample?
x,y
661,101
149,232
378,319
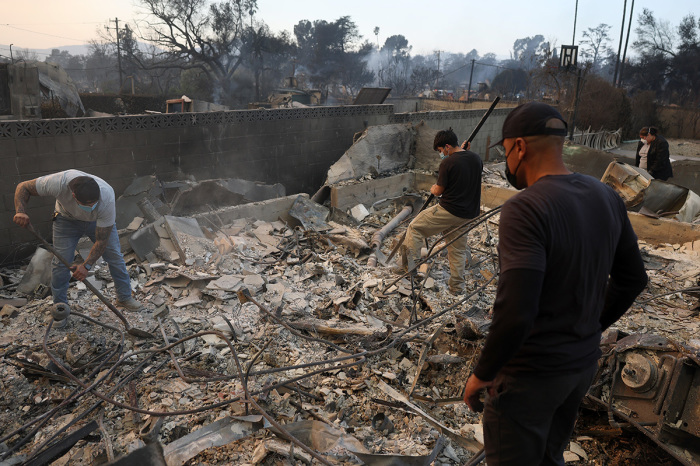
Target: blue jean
x,y
529,419
66,234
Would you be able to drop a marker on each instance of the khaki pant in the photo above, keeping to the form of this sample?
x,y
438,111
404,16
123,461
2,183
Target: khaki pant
x,y
430,222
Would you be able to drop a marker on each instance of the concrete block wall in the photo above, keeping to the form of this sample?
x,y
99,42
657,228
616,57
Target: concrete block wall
x,y
462,123
294,147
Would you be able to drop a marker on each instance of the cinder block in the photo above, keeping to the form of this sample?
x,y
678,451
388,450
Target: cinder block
x,y
46,145
8,148
86,160
119,139
27,147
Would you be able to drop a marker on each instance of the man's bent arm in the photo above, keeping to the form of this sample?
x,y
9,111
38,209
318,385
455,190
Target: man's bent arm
x,y
514,312
627,278
437,190
101,240
22,193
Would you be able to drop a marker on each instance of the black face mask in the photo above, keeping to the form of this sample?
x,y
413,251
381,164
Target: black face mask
x,y
512,177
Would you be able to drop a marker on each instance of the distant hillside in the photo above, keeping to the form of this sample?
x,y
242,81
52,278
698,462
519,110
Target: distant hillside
x,y
43,53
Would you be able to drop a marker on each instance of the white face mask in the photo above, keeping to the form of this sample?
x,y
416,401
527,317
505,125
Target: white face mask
x,y
644,141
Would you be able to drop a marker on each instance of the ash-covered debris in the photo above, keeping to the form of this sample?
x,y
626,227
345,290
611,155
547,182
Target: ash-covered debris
x,y
271,336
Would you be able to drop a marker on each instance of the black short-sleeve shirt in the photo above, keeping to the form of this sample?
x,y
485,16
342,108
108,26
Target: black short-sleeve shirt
x,y
460,175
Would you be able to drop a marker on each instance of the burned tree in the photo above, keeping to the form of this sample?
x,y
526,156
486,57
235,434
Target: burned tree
x,y
195,35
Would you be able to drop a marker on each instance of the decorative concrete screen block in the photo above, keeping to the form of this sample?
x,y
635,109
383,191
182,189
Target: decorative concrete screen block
x,y
380,149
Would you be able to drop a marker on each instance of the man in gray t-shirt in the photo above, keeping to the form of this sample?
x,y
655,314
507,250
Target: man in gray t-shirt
x,y
84,207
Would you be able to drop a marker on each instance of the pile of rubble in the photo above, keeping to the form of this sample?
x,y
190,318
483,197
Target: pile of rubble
x,y
261,317
320,336
279,336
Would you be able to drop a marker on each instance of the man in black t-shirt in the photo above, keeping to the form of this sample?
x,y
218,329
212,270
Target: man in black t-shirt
x,y
570,266
459,188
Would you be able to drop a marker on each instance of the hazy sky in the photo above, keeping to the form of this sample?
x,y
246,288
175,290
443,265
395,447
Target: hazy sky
x,y
447,25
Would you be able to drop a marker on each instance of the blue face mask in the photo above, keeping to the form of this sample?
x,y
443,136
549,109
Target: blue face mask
x,y
88,208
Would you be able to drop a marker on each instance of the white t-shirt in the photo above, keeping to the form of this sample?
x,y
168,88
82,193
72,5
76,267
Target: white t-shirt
x,y
643,151
56,185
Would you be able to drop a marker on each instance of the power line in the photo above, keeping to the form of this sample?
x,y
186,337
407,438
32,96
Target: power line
x,y
48,24
44,34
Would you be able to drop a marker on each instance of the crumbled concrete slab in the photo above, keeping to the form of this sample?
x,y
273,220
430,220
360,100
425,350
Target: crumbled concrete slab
x,y
380,149
582,159
270,210
135,224
222,193
145,241
38,272
426,157
346,196
182,225
127,205
312,216
179,228
254,191
8,311
359,212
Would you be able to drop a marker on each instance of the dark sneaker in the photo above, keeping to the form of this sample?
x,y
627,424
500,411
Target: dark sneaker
x,y
130,304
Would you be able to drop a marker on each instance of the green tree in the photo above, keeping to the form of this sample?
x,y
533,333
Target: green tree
x,y
330,52
511,81
267,55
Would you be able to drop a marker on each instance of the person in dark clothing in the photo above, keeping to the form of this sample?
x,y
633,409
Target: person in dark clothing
x,y
459,188
658,158
570,267
641,159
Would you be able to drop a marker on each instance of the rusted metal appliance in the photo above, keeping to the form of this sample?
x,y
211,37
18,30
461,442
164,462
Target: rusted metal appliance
x,y
653,384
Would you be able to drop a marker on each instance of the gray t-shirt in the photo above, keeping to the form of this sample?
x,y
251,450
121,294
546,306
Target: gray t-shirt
x,y
56,185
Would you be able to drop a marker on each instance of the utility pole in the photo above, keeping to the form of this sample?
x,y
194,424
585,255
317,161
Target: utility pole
x,y
627,40
578,94
469,89
119,54
619,47
573,39
437,79
12,60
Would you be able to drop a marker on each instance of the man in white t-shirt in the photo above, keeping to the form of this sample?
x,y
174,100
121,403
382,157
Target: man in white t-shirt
x,y
85,206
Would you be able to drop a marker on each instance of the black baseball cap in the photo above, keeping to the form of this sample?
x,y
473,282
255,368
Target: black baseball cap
x,y
531,119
